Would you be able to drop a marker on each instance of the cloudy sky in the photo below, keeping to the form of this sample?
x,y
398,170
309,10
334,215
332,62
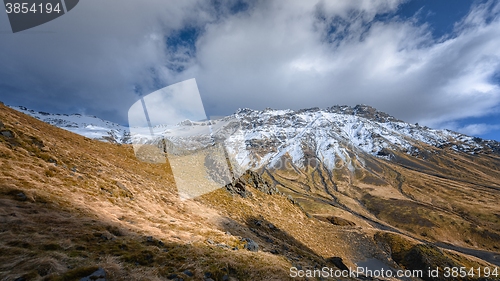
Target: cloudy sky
x,y
432,62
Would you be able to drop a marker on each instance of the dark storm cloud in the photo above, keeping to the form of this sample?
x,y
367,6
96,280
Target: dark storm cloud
x,y
91,59
257,54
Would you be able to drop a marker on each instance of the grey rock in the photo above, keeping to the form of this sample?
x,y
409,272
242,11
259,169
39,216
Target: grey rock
x,y
98,275
251,245
21,196
172,276
7,134
224,246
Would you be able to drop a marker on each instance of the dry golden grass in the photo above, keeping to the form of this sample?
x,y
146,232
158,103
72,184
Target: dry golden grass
x,y
69,205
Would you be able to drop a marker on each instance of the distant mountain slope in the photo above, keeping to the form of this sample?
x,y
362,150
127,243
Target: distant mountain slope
x,y
361,127
70,205
331,133
88,126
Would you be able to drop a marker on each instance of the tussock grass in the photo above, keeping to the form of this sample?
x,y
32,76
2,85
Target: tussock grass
x,y
69,205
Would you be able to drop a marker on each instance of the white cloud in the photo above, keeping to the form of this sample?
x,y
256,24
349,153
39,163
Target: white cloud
x,y
280,54
276,56
91,58
478,129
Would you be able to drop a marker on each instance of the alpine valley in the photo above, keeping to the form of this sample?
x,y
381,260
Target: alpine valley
x,y
341,187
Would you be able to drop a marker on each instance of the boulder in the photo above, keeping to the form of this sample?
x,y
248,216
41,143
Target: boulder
x,y
251,245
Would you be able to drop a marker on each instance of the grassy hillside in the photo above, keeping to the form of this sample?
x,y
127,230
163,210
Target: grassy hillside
x,y
70,205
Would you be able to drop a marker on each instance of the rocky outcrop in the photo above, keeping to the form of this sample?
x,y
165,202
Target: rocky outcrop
x,y
251,179
250,245
340,221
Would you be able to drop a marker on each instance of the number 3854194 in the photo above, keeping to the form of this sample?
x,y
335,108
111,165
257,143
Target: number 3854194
x,y
25,8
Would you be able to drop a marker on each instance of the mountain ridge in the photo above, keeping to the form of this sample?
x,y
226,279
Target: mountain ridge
x,y
85,125
70,201
96,128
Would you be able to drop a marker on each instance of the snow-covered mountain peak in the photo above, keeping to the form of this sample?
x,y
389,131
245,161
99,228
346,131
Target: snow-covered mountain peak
x,y
257,138
85,125
335,133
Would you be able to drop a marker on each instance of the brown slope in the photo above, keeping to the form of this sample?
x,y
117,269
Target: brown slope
x,y
440,196
69,205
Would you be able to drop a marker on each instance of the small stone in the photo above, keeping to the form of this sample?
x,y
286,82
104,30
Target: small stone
x,y
7,134
188,273
99,275
251,245
172,276
210,241
21,196
222,245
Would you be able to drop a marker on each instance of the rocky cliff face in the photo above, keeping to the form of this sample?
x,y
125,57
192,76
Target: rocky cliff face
x,y
250,179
